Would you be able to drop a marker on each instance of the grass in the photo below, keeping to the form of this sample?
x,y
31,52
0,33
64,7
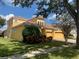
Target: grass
x,y
65,53
10,47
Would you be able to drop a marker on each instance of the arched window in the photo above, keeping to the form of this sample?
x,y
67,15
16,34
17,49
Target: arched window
x,y
38,23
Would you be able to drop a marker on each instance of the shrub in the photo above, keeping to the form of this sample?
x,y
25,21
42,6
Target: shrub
x,y
49,39
31,34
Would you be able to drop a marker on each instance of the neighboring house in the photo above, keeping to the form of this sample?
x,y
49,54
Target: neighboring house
x,y
74,32
16,26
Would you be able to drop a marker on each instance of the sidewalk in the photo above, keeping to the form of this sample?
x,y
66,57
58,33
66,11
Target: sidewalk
x,y
69,40
72,40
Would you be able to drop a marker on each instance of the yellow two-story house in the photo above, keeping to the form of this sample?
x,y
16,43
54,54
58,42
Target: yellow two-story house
x,y
16,26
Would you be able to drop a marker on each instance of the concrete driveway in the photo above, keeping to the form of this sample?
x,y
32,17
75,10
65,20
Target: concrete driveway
x,y
69,40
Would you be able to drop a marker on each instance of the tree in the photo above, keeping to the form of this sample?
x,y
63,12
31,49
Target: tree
x,y
54,6
2,21
66,25
31,32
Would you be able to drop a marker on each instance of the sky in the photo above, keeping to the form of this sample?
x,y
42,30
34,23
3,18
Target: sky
x,y
17,11
22,12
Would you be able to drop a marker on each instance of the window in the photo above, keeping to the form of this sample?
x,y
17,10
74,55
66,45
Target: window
x,y
14,30
38,22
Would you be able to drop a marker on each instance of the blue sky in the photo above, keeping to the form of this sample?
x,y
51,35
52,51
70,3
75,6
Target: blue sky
x,y
17,11
23,12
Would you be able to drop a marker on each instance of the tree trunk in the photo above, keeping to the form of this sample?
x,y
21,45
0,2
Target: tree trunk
x,y
77,39
77,23
75,16
66,41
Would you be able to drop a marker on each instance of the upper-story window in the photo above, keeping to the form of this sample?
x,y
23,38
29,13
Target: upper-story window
x,y
40,22
14,20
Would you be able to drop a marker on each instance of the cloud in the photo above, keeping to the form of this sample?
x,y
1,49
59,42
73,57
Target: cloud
x,y
52,17
7,17
70,1
33,16
2,16
7,2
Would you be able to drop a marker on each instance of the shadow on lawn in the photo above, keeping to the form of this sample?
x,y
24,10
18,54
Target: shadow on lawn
x,y
15,47
65,53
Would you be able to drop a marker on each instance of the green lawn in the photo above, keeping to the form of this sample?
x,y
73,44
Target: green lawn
x,y
9,47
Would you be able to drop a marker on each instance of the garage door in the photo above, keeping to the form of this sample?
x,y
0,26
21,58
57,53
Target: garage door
x,y
58,35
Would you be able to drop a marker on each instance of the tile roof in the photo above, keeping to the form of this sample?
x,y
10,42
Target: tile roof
x,y
18,21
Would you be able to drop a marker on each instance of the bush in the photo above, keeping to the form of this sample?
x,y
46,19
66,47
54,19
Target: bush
x,y
31,34
49,39
2,21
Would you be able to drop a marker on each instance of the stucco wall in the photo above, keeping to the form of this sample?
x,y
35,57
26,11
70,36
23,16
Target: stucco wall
x,y
49,33
17,33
